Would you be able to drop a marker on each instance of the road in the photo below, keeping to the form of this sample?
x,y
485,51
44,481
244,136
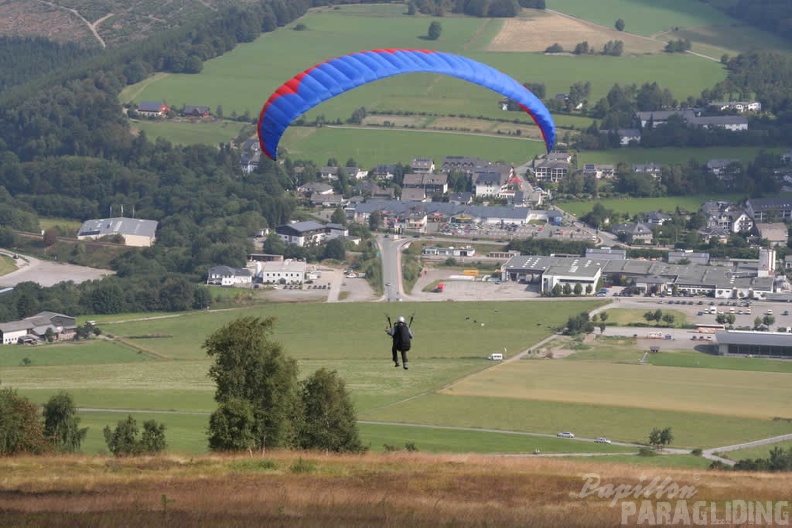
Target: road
x,y
46,273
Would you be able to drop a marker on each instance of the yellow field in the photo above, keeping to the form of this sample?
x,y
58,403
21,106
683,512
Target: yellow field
x,y
722,392
542,30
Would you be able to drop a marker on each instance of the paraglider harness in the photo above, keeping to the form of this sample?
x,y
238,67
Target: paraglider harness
x,y
401,333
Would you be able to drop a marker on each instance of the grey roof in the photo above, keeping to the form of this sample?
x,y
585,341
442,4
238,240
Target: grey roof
x,y
718,120
720,163
489,177
762,204
450,209
737,337
684,275
302,227
188,109
118,226
663,115
150,106
38,323
228,271
647,167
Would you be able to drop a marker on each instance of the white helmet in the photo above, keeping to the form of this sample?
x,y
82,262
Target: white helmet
x,y
400,319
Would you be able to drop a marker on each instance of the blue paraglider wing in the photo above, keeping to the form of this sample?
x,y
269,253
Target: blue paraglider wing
x,y
328,79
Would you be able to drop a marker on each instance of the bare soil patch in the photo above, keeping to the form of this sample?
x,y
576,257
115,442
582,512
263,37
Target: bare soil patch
x,y
537,33
26,18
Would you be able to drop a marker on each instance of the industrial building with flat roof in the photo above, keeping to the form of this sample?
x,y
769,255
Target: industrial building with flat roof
x,y
136,232
649,276
746,343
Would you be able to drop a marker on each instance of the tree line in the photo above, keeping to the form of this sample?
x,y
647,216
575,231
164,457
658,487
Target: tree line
x,y
477,8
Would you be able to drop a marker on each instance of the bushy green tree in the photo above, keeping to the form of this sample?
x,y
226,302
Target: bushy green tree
x,y
62,425
124,441
619,25
21,430
329,422
435,30
248,365
231,426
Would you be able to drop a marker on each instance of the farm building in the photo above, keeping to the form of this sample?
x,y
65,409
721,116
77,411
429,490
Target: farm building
x,y
136,232
744,343
62,326
153,109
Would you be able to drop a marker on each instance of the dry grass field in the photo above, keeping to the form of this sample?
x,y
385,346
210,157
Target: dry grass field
x,y
388,490
718,392
537,33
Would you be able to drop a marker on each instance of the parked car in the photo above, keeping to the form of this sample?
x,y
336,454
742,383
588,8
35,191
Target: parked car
x,y
566,434
785,312
602,440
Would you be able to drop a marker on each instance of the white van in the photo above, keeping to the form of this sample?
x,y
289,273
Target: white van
x,y
495,357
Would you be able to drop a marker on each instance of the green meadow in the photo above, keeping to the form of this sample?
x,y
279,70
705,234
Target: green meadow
x,y
371,146
756,452
160,372
187,133
672,155
634,206
643,17
241,80
627,424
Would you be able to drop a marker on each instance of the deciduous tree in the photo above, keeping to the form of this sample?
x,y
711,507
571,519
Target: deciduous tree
x,y
329,422
250,366
62,425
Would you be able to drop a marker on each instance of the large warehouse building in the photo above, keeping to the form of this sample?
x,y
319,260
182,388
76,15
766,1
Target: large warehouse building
x,y
649,276
744,343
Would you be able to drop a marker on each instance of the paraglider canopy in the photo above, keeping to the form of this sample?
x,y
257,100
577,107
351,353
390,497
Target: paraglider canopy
x,y
328,79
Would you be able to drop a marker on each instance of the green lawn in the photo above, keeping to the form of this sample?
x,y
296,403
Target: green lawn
x,y
372,146
7,265
354,330
439,440
643,17
241,80
648,387
623,317
671,155
63,223
185,433
620,423
756,452
630,351
634,206
186,133
93,352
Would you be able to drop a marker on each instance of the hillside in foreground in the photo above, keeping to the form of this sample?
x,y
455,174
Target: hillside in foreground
x,y
394,489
